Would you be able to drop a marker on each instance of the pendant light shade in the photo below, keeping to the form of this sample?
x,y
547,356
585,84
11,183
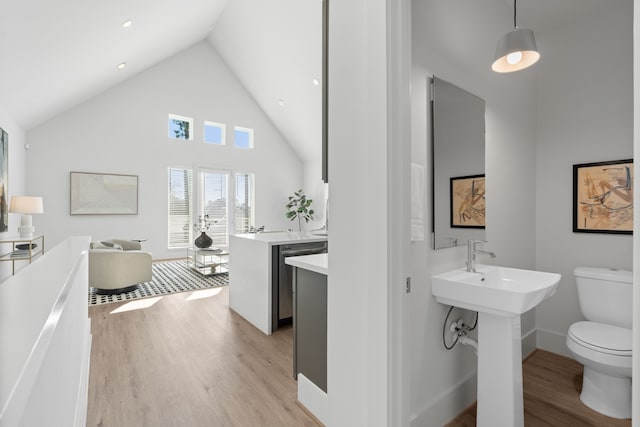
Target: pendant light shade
x,y
516,50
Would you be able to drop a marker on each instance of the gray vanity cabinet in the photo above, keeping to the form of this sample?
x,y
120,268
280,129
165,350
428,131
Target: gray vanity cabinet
x,y
310,326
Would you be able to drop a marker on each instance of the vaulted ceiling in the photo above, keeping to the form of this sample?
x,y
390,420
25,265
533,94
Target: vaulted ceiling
x,y
57,54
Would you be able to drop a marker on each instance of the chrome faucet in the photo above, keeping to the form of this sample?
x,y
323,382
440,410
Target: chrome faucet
x,y
472,250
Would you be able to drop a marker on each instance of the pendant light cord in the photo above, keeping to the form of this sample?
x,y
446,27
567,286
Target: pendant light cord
x,y
515,23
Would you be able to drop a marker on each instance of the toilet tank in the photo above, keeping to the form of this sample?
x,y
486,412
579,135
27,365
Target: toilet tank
x,y
605,295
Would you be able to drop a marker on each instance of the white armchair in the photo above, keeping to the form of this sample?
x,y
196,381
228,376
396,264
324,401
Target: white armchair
x,y
117,266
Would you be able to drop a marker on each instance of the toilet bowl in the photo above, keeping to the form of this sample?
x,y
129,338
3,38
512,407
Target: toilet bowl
x,y
603,342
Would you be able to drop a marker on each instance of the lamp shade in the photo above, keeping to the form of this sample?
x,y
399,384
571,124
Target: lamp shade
x,y
516,50
26,205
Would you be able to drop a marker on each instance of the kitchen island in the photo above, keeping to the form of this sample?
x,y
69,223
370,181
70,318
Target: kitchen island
x,y
254,266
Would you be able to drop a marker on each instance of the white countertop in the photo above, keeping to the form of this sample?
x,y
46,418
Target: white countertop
x,y
283,237
318,263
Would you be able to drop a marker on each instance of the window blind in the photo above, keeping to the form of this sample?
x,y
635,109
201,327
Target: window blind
x,y
244,202
180,214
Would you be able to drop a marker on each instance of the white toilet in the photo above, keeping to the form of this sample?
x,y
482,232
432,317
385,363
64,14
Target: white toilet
x,y
602,343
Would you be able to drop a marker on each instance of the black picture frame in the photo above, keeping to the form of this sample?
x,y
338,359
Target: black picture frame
x,y
467,201
603,197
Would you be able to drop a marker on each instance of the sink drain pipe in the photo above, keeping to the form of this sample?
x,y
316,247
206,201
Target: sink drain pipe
x,y
459,331
465,340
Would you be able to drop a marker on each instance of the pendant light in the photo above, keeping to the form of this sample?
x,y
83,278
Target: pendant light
x,y
516,50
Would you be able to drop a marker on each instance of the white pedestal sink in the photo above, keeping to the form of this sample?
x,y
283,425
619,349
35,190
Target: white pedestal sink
x,y
499,295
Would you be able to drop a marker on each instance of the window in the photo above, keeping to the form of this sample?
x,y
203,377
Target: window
x,y
243,137
244,217
180,127
214,203
180,204
214,133
226,197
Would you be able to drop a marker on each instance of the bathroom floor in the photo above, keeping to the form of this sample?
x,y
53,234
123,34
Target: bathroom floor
x,y
552,385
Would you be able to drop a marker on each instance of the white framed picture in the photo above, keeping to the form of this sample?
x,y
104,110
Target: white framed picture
x,y
103,194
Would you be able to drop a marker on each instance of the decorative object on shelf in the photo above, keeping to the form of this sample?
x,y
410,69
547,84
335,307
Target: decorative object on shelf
x,y
26,246
603,197
204,224
203,241
213,267
208,261
299,207
4,180
22,251
26,205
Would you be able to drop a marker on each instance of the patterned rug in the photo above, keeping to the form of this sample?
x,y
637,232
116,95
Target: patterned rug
x,y
168,278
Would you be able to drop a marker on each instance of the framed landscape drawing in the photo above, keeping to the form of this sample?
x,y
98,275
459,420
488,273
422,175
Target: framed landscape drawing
x,y
103,194
468,201
4,177
603,197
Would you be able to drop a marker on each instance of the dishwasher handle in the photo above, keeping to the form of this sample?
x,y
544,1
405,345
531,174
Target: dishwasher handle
x,y
307,251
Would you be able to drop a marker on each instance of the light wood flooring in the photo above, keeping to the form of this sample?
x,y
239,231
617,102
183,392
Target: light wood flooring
x,y
551,385
192,363
189,363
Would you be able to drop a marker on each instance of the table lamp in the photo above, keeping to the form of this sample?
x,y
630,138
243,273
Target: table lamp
x,y
26,205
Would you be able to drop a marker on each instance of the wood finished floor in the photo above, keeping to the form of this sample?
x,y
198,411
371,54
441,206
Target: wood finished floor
x,y
551,385
189,363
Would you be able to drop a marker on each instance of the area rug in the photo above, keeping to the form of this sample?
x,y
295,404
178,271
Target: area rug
x,y
168,278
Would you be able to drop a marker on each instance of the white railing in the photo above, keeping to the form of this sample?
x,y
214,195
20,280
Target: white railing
x,y
45,340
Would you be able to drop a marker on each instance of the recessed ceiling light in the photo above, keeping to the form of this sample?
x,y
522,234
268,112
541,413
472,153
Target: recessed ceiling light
x,y
127,23
281,102
316,82
122,65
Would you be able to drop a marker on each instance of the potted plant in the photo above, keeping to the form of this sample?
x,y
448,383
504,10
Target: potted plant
x,y
299,207
204,223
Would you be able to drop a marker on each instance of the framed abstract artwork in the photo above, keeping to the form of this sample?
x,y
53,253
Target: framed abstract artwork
x,y
603,197
468,203
4,176
103,194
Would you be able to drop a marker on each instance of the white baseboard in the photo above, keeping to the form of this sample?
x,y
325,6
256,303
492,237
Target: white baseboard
x,y
553,342
456,399
313,399
529,343
446,406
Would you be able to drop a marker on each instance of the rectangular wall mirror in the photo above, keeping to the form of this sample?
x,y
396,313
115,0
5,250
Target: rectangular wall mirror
x,y
457,143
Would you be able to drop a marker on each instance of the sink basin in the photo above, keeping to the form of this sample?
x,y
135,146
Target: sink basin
x,y
499,295
496,290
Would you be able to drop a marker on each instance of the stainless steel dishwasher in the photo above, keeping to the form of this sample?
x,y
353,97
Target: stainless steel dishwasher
x,y
282,279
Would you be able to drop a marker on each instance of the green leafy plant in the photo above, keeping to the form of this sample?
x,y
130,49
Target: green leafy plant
x,y
299,207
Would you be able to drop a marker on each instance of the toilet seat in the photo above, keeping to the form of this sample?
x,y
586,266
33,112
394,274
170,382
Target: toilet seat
x,y
580,342
608,339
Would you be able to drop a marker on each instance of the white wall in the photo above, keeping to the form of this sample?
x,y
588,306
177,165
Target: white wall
x,y
124,130
636,218
456,41
585,114
358,286
317,190
16,184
